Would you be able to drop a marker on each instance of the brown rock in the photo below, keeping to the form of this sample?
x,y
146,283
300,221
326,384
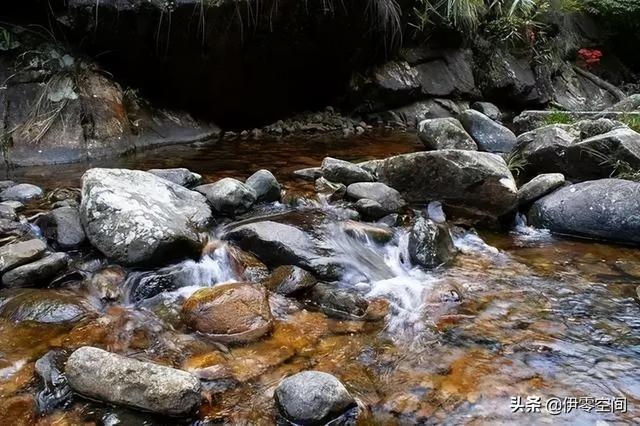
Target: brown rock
x,y
230,313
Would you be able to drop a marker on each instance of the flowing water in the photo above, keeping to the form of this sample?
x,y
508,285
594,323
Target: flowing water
x,y
518,314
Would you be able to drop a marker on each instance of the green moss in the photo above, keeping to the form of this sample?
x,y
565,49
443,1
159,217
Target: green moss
x,y
558,117
631,120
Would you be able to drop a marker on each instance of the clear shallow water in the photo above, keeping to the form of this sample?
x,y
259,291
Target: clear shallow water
x,y
517,314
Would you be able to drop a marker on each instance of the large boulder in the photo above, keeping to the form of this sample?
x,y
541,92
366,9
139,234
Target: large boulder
x,y
136,217
444,133
602,209
116,379
36,273
18,254
229,196
344,172
476,183
564,149
430,243
488,135
312,398
266,186
230,313
42,306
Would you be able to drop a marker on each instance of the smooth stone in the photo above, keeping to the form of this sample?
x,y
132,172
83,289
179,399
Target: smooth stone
x,y
376,233
604,209
228,196
488,135
445,133
21,253
135,217
488,109
430,243
22,192
179,176
65,228
344,172
312,398
337,303
387,197
289,280
370,209
309,173
230,313
36,273
266,186
539,186
116,379
42,306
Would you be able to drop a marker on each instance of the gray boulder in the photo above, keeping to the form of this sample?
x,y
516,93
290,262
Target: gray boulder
x,y
390,199
344,172
488,135
22,192
35,273
63,225
488,109
539,186
265,185
430,243
370,209
476,184
179,176
18,254
229,196
444,133
116,379
602,209
136,217
312,398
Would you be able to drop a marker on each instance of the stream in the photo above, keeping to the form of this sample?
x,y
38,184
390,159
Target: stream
x,y
517,315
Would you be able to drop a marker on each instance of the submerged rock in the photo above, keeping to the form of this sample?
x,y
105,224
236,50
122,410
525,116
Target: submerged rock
x,y
107,283
430,243
380,234
136,217
479,184
344,172
231,313
36,273
338,303
539,186
22,192
18,254
266,186
56,392
179,176
116,379
288,280
445,133
43,306
228,196
488,135
602,209
312,398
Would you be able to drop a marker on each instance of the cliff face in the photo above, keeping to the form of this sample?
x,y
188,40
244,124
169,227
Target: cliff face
x,y
238,62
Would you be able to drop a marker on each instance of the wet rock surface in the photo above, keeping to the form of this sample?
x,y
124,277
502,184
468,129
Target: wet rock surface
x,y
265,185
42,306
344,172
289,280
229,196
36,273
63,226
22,192
388,198
18,254
230,313
313,398
539,186
445,133
430,243
180,176
136,217
116,379
601,209
487,134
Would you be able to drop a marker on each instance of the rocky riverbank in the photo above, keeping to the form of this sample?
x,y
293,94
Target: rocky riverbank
x,y
211,266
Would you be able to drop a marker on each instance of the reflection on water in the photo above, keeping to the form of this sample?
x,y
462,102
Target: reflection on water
x,y
516,314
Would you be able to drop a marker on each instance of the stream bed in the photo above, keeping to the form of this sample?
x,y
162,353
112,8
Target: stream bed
x,y
518,318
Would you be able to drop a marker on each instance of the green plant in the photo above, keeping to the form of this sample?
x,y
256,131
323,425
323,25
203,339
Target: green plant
x,y
631,120
619,168
558,117
516,163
